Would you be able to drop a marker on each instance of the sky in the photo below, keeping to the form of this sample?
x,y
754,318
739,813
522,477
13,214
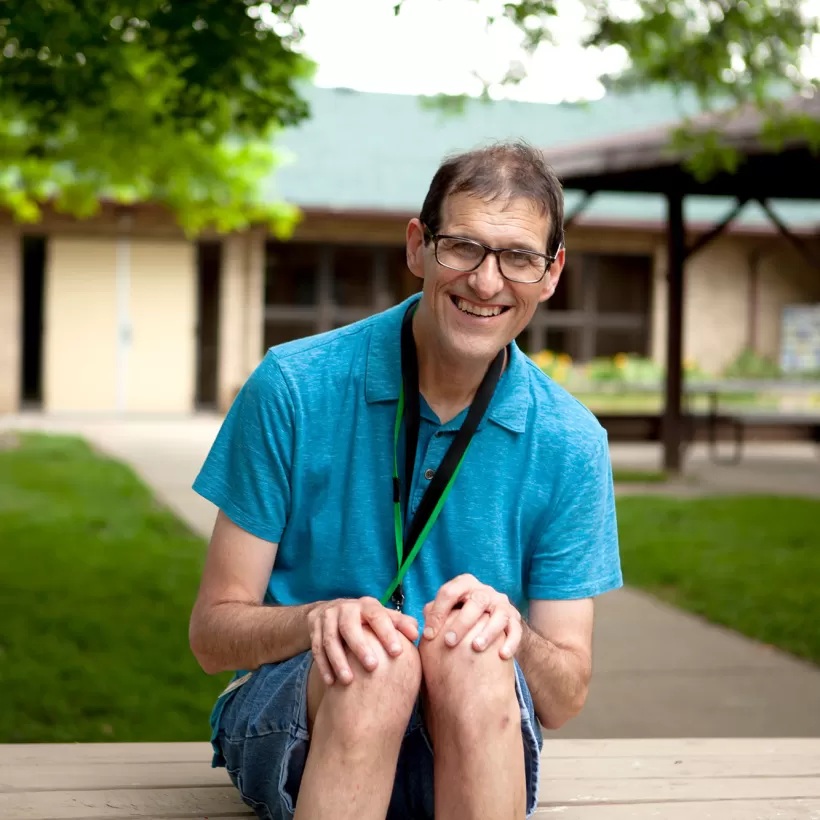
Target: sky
x,y
435,46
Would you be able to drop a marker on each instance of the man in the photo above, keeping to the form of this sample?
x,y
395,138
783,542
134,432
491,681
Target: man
x,y
385,669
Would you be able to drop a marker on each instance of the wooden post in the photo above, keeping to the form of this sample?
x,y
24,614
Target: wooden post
x,y
676,252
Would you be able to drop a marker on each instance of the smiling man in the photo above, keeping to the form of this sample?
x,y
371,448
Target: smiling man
x,y
413,522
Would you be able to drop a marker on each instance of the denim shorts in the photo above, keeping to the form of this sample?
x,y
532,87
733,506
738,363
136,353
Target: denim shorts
x,y
261,737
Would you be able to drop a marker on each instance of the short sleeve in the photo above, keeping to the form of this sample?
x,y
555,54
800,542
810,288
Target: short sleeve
x,y
576,555
248,469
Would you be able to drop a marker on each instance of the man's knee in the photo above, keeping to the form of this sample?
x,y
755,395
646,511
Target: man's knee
x,y
377,702
467,688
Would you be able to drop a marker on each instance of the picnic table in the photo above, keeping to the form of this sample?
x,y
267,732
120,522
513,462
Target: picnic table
x,y
686,779
736,419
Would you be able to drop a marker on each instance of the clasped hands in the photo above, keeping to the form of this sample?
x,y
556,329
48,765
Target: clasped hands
x,y
342,623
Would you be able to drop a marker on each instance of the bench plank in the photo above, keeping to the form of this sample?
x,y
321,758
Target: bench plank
x,y
613,790
115,803
698,779
712,810
109,775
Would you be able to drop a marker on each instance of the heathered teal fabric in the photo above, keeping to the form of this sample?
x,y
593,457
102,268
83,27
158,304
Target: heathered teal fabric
x,y
304,459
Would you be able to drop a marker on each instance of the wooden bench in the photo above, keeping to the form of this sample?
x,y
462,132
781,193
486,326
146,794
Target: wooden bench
x,y
743,779
807,425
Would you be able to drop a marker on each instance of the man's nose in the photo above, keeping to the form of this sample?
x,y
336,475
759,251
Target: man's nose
x,y
486,280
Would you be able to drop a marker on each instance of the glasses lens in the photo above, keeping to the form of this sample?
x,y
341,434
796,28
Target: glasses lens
x,y
459,254
522,266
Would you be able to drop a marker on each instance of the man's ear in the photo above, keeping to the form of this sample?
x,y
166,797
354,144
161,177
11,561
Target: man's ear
x,y
553,275
415,248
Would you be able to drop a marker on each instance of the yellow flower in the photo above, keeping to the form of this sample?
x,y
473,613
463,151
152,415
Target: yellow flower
x,y
544,358
621,361
564,359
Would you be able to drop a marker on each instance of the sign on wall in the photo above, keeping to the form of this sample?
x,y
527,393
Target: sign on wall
x,y
800,339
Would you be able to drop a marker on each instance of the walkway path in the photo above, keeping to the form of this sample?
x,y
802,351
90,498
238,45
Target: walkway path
x,y
658,672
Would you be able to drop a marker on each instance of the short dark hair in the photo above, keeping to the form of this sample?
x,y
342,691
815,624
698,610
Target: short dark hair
x,y
514,170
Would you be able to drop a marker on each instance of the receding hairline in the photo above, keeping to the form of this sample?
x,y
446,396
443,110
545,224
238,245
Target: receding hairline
x,y
507,171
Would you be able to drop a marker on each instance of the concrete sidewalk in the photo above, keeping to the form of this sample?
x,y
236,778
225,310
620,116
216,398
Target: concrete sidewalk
x,y
658,672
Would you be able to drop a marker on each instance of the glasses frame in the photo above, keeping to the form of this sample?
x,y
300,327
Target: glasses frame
x,y
548,260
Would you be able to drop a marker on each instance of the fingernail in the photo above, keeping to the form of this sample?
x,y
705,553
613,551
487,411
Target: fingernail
x,y
480,642
395,648
450,638
428,633
505,652
369,660
347,675
329,680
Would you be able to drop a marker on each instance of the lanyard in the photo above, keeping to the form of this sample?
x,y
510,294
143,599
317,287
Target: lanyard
x,y
407,548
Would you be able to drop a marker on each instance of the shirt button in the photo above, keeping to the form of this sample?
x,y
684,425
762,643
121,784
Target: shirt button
x,y
428,474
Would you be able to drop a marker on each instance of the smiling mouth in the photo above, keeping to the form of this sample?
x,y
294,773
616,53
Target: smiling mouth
x,y
478,310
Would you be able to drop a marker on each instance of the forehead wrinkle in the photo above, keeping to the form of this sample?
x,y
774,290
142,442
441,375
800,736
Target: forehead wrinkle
x,y
470,220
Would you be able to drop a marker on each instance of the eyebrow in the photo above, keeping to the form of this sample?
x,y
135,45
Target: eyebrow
x,y
525,246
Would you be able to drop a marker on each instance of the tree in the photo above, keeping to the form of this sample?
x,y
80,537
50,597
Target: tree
x,y
176,101
729,53
169,100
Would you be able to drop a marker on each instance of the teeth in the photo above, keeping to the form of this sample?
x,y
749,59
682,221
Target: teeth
x,y
475,310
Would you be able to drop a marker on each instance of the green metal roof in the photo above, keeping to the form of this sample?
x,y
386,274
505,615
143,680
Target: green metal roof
x,y
363,151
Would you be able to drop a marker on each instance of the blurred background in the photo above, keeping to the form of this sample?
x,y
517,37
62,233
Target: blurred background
x,y
185,184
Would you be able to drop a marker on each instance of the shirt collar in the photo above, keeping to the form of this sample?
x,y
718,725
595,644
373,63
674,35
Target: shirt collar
x,y
511,402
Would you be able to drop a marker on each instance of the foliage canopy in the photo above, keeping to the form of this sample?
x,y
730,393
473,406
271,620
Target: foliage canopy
x,y
177,101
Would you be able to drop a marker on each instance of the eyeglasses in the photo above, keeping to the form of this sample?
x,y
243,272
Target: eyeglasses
x,y
458,253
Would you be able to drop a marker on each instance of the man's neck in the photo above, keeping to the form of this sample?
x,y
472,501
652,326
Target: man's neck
x,y
447,386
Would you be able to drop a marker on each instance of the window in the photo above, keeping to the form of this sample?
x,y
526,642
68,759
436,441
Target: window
x,y
353,277
291,274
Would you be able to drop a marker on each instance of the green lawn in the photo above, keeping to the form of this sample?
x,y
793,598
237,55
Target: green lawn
x,y
96,586
97,582
750,563
621,476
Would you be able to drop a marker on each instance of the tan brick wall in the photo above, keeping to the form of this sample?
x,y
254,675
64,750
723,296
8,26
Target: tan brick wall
x,y
717,303
718,298
11,306
785,278
241,313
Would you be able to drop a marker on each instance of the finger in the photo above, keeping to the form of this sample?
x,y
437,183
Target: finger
x,y
515,630
446,598
409,627
467,617
319,656
383,627
496,626
352,632
333,646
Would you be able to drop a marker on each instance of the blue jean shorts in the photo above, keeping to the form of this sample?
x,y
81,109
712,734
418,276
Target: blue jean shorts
x,y
261,737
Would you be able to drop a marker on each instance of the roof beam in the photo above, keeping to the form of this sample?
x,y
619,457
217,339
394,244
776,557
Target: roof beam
x,y
718,230
802,248
578,209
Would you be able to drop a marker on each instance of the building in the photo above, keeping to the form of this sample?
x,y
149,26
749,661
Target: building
x,y
121,313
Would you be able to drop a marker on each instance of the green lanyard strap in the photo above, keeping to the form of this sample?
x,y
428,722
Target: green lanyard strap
x,y
407,547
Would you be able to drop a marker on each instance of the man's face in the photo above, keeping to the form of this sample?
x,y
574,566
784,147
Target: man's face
x,y
454,297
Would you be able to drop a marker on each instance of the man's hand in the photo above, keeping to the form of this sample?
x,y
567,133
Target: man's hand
x,y
336,624
475,599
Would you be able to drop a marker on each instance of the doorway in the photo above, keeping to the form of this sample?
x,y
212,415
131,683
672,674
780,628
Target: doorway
x,y
209,269
34,275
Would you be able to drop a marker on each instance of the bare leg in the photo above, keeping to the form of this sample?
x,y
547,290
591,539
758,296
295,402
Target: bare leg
x,y
356,733
474,720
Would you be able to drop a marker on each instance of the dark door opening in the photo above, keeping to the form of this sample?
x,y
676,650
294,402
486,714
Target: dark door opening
x,y
34,275
209,268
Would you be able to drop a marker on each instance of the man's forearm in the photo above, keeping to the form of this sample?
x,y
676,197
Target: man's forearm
x,y
235,635
558,679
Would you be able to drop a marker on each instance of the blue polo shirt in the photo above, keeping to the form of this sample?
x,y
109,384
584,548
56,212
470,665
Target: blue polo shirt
x,y
305,456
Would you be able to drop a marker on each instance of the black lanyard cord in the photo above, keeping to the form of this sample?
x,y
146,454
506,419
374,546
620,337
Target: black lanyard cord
x,y
442,481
